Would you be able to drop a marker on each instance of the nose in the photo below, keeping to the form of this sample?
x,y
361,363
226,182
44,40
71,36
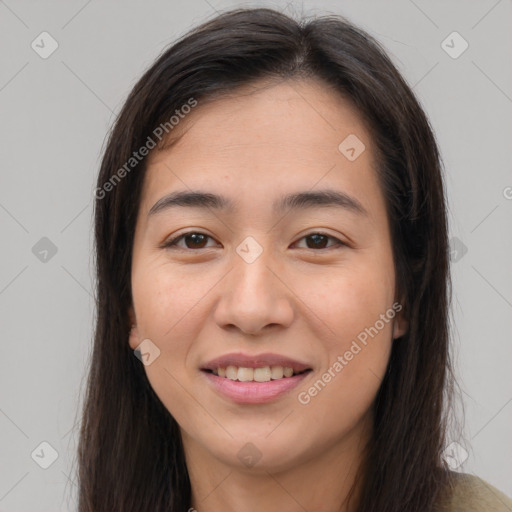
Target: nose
x,y
254,298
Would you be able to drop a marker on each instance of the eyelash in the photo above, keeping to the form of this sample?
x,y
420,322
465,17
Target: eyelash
x,y
169,244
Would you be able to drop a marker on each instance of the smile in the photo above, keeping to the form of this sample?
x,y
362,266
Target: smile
x,y
263,374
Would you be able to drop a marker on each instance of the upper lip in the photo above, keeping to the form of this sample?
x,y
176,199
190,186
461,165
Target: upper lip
x,y
255,361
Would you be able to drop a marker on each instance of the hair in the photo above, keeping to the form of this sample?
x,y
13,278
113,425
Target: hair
x,y
130,452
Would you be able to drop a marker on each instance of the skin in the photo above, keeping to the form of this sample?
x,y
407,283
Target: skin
x,y
295,299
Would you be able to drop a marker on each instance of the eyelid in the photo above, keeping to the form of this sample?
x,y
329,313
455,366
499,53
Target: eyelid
x,y
339,242
171,242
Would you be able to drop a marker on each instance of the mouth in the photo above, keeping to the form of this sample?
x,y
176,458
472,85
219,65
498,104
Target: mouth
x,y
254,379
257,368
260,374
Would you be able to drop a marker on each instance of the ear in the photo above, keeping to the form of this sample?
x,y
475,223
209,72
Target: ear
x,y
134,339
400,325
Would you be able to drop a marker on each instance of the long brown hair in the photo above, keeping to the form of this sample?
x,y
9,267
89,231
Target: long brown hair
x,y
130,454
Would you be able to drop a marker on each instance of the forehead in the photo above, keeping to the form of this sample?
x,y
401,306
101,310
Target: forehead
x,y
265,136
307,109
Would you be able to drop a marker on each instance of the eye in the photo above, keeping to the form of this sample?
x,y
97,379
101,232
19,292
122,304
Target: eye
x,y
198,240
192,239
319,241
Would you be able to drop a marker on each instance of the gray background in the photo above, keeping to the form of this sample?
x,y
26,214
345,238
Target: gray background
x,y
54,115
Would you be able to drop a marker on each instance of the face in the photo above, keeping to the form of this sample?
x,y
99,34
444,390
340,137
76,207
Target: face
x,y
270,320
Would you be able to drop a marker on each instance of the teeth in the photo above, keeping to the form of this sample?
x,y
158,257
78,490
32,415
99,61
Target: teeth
x,y
288,372
231,372
277,372
264,374
245,374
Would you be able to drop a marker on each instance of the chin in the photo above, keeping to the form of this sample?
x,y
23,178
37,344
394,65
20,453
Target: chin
x,y
264,453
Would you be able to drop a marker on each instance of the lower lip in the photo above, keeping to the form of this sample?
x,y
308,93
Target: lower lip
x,y
254,392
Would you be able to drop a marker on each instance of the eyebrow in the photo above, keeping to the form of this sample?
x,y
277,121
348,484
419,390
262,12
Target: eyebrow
x,y
295,201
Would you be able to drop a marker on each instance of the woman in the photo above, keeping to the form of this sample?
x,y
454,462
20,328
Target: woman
x,y
272,246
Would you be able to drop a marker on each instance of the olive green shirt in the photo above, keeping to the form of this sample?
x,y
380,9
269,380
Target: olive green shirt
x,y
472,494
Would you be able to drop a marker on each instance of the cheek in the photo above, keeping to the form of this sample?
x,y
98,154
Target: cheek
x,y
167,301
343,391
348,301
356,306
170,312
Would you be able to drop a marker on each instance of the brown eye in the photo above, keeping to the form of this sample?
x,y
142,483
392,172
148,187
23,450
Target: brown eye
x,y
317,241
193,240
196,240
320,241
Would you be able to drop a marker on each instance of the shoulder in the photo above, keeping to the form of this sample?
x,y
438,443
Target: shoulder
x,y
469,493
